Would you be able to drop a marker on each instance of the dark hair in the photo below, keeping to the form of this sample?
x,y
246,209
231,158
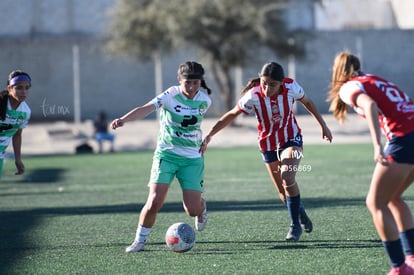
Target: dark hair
x,y
252,83
4,95
17,73
271,69
193,70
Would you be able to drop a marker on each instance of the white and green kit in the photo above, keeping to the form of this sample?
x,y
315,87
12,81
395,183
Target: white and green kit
x,y
15,120
180,138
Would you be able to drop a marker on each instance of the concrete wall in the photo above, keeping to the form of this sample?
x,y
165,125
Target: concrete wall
x,y
385,53
58,17
119,84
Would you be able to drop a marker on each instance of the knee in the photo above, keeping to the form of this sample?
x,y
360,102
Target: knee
x,y
374,204
153,206
193,210
290,185
371,203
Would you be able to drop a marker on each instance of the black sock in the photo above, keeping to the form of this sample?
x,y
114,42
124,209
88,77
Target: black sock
x,y
293,204
407,241
394,252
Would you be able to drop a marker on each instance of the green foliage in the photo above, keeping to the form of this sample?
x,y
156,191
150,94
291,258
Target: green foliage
x,y
139,29
76,214
228,33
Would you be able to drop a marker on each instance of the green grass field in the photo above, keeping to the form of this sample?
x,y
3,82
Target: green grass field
x,y
76,214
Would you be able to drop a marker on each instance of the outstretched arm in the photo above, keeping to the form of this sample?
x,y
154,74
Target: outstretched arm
x,y
313,110
134,114
223,122
17,146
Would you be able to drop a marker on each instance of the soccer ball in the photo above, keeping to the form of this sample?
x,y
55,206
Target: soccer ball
x,y
180,237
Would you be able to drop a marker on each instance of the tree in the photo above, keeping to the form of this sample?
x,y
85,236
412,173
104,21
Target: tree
x,y
229,32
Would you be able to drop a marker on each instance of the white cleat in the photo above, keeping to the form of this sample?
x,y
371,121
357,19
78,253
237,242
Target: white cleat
x,y
135,247
201,221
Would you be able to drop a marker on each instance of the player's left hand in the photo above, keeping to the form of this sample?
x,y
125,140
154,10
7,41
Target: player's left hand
x,y
379,157
20,167
326,134
203,147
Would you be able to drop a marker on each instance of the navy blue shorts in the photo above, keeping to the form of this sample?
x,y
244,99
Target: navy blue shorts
x,y
272,156
401,149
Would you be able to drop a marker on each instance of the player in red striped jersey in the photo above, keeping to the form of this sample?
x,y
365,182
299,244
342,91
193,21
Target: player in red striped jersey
x,y
388,108
271,97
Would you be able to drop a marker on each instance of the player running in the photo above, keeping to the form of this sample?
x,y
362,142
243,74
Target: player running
x,y
271,96
385,107
177,154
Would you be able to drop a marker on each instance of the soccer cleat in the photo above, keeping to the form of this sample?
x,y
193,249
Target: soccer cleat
x,y
294,233
409,260
201,220
135,247
305,222
404,269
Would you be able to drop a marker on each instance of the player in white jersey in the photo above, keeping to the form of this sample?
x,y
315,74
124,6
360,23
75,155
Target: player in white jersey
x,y
182,109
271,96
14,116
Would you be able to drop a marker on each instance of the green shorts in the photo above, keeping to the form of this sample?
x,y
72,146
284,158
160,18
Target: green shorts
x,y
189,172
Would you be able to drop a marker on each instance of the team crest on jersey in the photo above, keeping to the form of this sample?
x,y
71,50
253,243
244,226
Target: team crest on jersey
x,y
202,109
275,109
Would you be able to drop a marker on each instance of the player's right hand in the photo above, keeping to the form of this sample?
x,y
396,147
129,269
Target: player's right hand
x,y
117,123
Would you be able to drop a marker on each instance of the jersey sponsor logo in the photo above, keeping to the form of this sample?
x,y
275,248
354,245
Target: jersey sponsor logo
x,y
405,107
189,120
179,134
276,117
201,110
177,108
5,127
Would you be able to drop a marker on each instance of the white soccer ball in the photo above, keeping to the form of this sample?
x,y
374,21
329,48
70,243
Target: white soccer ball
x,y
180,237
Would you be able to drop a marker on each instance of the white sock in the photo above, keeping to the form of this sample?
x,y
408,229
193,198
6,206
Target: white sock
x,y
142,234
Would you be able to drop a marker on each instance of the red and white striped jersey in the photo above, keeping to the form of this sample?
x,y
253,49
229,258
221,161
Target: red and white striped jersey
x,y
276,123
396,108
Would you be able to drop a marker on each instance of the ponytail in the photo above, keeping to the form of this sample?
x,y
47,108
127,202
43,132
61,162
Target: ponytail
x,y
204,85
4,98
345,67
252,83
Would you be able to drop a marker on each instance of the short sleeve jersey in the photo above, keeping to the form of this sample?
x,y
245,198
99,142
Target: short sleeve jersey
x,y
276,123
180,133
396,108
15,120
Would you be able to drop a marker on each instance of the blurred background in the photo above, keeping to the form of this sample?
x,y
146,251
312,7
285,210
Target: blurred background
x,y
112,55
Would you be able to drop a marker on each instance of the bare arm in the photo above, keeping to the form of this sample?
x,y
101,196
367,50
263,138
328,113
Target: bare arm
x,y
17,146
223,122
313,110
134,114
370,108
